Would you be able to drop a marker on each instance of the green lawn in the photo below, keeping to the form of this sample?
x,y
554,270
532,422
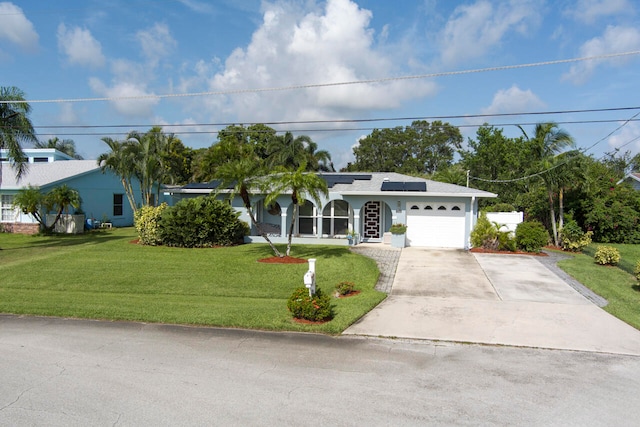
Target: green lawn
x,y
616,284
102,275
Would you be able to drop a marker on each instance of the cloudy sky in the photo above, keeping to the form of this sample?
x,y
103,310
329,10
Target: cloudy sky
x,y
135,55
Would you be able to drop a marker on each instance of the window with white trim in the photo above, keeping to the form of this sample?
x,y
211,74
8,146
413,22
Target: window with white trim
x,y
335,218
8,212
307,217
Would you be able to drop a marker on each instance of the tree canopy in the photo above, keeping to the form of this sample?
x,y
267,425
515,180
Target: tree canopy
x,y
421,148
16,128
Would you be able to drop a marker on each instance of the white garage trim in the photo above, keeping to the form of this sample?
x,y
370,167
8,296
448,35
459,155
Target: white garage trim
x,y
436,224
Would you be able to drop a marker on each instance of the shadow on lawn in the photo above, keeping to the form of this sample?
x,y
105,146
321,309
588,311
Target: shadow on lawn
x,y
67,240
262,250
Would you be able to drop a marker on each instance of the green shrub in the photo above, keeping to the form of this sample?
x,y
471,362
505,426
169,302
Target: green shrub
x,y
607,255
531,236
146,221
636,272
201,222
484,234
398,229
316,308
572,237
506,242
345,287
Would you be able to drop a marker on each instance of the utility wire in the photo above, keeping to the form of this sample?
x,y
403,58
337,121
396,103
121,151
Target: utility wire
x,y
322,85
569,158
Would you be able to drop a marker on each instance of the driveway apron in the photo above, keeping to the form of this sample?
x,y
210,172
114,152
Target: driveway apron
x,y
454,295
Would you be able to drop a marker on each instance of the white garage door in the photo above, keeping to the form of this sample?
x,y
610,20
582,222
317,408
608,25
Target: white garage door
x,y
440,225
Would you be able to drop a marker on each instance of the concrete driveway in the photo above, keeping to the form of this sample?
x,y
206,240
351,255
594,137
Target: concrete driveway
x,y
452,295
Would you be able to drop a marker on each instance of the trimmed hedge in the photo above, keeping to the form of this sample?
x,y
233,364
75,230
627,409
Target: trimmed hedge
x,y
607,255
146,222
531,236
201,222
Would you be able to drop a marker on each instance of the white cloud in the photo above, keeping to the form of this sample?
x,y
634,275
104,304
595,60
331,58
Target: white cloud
x,y
513,100
474,29
67,114
79,46
127,107
16,28
156,42
614,40
589,11
627,139
295,47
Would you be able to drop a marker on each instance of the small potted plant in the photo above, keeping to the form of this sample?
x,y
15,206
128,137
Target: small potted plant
x,y
352,237
398,232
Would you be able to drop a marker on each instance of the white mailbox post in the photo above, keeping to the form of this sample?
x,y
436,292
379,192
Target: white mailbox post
x,y
310,277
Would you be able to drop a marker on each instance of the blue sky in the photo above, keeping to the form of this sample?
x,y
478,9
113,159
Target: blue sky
x,y
79,49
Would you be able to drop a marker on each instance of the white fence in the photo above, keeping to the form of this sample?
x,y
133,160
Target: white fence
x,y
506,220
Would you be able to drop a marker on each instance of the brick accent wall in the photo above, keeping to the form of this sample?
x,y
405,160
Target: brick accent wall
x,y
21,228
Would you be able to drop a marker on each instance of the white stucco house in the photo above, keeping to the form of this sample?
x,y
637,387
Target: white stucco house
x,y
102,194
437,214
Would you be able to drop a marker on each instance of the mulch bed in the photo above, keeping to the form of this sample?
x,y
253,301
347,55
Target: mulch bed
x,y
350,294
283,260
489,251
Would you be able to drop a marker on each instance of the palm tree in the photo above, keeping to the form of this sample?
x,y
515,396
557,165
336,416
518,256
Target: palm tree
x,y
15,127
120,161
317,160
59,199
67,146
548,142
290,152
301,184
240,176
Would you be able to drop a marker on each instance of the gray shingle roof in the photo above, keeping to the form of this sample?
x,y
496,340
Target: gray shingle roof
x,y
41,174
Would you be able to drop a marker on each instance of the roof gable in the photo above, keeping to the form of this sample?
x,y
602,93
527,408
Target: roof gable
x,y
43,174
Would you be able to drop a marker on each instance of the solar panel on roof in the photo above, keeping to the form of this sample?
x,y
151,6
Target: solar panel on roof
x,y
333,179
403,186
392,186
415,186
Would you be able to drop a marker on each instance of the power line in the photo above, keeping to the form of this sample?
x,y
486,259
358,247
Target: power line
x,y
322,85
582,151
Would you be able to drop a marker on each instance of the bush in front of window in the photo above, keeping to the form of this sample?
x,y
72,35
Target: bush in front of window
x,y
201,222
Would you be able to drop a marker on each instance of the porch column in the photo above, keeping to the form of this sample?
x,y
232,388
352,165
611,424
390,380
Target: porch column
x,y
283,222
318,215
356,225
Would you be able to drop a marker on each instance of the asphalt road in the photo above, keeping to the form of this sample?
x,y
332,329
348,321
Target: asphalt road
x,y
58,372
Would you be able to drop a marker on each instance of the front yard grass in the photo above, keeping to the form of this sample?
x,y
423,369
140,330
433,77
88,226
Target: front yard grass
x,y
616,284
102,275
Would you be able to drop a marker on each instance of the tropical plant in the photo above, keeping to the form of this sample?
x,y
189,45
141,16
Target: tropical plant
x,y
302,185
201,222
120,160
31,200
531,236
146,221
548,142
398,228
607,255
572,237
314,308
345,287
15,127
67,146
291,152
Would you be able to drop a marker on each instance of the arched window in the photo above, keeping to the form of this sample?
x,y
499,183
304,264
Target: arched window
x,y
414,208
442,208
335,218
455,208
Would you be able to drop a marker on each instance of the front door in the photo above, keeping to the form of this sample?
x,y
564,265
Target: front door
x,y
371,229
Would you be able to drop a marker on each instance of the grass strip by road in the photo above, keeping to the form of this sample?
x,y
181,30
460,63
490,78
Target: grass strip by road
x,y
616,284
102,275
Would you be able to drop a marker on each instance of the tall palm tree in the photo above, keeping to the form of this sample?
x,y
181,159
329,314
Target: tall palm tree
x,y
548,142
15,127
67,146
120,161
317,160
302,185
240,177
290,152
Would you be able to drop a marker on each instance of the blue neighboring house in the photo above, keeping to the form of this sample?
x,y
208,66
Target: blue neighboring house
x,y
102,194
